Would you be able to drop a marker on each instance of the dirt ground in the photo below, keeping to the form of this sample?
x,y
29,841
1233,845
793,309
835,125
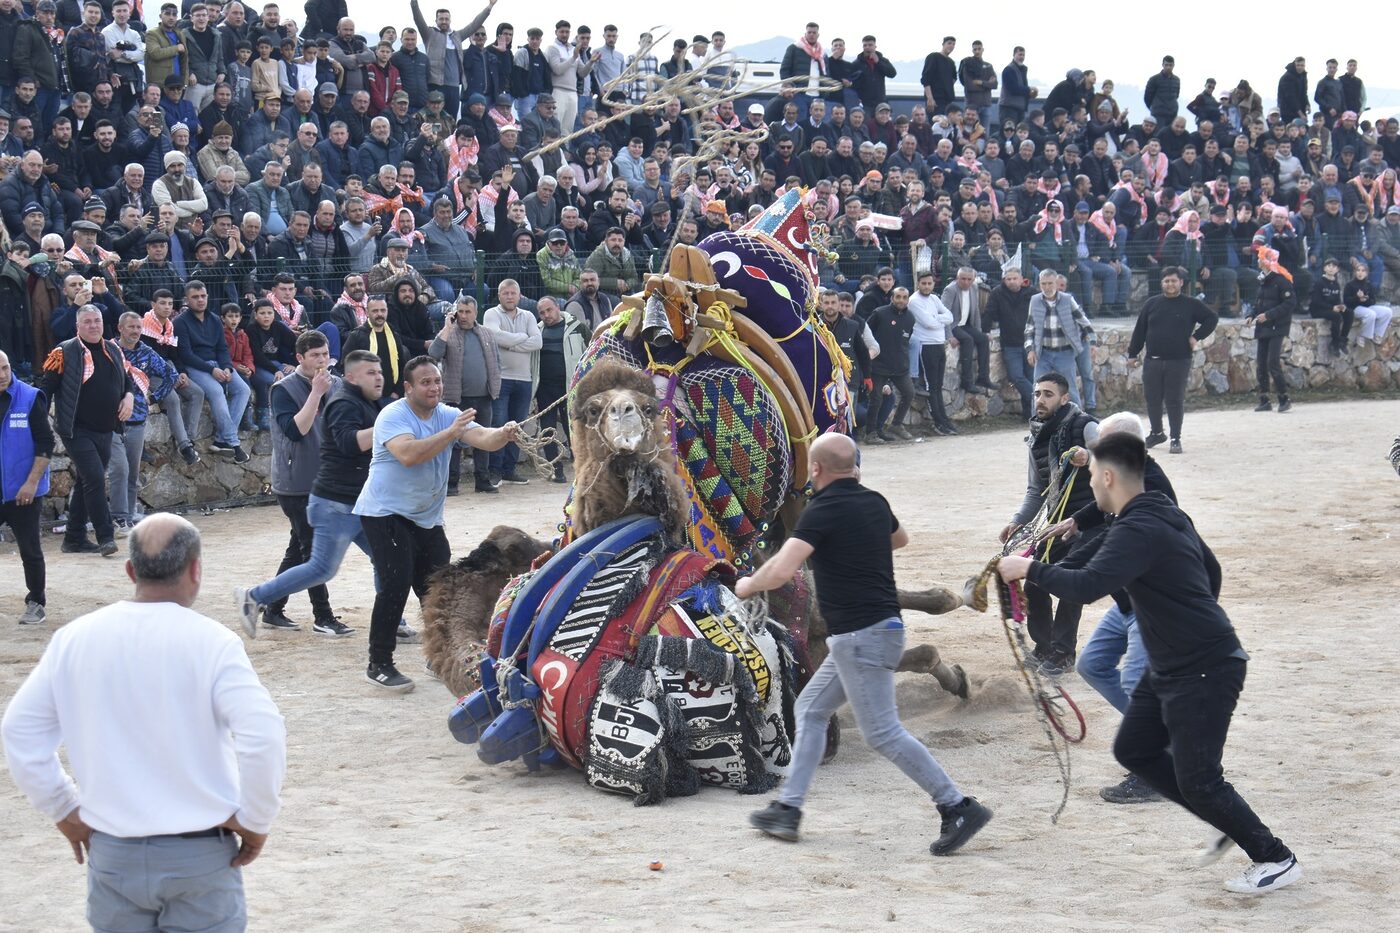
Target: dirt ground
x,y
387,820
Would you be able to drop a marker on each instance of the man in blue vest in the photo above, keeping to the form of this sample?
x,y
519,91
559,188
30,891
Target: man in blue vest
x,y
26,445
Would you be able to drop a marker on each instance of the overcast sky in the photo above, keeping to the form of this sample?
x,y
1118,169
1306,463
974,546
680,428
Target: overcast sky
x,y
1121,49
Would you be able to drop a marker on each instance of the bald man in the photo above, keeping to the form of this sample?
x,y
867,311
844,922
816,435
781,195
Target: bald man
x,y
850,534
177,749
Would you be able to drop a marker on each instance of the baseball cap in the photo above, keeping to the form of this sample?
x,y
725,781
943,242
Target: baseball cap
x,y
1082,206
755,108
873,174
399,96
397,242
556,235
328,88
436,97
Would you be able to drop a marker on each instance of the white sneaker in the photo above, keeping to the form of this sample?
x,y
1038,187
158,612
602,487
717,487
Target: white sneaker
x,y
122,527
248,611
33,613
1214,848
1264,877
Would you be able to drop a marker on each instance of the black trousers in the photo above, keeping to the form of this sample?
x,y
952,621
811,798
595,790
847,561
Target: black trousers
x,y
404,556
1269,364
1055,630
904,388
1341,326
90,452
934,357
299,552
481,459
1164,384
557,418
24,522
972,339
1173,736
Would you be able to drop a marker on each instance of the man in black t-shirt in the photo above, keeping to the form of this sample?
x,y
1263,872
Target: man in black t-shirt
x,y
849,534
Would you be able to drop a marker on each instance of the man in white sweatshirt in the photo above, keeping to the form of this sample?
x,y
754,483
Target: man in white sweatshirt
x,y
518,339
933,323
177,749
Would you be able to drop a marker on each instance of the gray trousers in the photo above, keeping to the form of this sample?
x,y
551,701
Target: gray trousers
x,y
124,470
860,669
165,883
182,408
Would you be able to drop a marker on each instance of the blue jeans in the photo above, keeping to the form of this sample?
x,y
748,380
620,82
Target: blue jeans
x,y
1062,362
860,669
336,528
262,381
513,404
227,403
1117,284
1084,362
166,883
1018,373
1116,638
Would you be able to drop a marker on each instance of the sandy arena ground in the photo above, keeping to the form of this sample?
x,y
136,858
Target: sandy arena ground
x,y
386,820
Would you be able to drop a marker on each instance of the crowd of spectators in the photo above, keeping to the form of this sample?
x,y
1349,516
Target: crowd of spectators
x,y
232,178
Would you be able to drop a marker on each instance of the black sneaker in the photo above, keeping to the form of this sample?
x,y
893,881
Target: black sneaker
x,y
947,430
960,823
331,626
901,432
454,490
558,476
777,820
1175,448
1155,438
274,618
85,546
874,439
219,447
884,436
515,479
107,548
240,455
1263,405
1284,405
487,489
494,480
1057,666
1132,789
189,455
388,677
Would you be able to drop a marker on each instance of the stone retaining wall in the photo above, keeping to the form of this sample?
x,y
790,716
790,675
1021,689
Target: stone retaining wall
x,y
1224,365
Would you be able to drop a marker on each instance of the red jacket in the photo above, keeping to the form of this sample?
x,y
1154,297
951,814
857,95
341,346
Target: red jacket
x,y
239,350
382,84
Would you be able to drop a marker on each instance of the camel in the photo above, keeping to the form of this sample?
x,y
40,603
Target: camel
x,y
461,599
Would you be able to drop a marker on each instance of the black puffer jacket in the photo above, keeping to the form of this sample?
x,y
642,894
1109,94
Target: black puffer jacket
x,y
1274,306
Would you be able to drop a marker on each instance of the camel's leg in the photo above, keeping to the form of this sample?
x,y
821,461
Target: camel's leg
x,y
925,659
833,739
935,600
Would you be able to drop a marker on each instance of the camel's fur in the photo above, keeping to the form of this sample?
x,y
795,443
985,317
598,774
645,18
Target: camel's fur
x,y
461,598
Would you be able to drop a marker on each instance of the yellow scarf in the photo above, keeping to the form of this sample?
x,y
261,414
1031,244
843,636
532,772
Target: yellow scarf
x,y
393,351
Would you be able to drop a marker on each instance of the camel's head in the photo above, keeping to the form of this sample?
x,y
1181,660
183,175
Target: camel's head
x,y
617,404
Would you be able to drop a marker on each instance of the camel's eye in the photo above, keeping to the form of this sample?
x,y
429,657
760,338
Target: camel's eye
x,y
649,411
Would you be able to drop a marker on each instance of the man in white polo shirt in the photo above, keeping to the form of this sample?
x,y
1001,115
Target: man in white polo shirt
x,y
177,749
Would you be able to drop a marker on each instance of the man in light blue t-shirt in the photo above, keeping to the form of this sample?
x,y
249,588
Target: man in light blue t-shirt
x,y
401,505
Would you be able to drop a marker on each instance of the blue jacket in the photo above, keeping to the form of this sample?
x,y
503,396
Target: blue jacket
x,y
158,369
17,443
372,154
202,346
